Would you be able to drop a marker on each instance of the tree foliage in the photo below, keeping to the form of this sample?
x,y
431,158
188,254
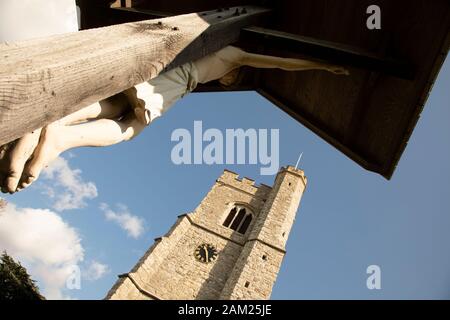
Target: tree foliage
x,y
15,282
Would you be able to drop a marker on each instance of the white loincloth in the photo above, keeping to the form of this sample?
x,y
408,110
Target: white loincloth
x,y
159,94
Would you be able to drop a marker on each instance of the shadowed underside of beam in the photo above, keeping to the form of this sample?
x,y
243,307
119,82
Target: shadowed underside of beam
x,y
45,79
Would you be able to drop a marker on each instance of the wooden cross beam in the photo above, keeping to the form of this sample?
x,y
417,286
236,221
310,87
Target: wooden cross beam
x,y
46,79
313,48
329,51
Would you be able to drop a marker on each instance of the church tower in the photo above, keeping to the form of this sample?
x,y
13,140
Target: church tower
x,y
230,247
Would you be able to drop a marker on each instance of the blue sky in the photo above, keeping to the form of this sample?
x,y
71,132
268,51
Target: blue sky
x,y
349,218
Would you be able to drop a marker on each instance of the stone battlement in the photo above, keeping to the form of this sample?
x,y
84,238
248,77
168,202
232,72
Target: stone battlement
x,y
297,172
246,184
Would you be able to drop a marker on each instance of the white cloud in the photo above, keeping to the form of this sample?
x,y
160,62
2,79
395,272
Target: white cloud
x,y
68,188
96,270
133,225
27,19
44,243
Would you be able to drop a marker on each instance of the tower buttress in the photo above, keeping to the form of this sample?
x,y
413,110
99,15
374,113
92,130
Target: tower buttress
x,y
258,265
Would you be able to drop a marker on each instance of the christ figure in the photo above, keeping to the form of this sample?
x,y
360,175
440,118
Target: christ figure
x,y
123,116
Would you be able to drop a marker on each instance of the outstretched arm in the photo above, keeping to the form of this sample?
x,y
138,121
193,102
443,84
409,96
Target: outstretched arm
x,y
217,65
288,64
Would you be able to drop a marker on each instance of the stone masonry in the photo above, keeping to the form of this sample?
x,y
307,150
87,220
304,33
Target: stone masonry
x,y
247,264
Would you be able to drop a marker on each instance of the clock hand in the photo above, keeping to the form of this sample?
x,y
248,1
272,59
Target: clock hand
x,y
206,252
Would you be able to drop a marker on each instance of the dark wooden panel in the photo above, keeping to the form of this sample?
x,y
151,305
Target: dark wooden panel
x,y
187,6
318,128
395,106
95,14
369,116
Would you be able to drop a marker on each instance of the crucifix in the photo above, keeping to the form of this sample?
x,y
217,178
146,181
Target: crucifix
x,y
108,76
122,116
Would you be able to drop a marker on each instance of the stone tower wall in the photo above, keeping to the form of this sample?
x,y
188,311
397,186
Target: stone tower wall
x,y
169,270
259,263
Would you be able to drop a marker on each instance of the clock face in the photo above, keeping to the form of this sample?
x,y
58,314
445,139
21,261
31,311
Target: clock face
x,y
206,253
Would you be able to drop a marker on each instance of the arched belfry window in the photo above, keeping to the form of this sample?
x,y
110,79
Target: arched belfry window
x,y
238,219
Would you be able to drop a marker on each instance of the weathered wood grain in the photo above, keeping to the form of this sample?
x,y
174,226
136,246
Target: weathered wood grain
x,y
45,79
